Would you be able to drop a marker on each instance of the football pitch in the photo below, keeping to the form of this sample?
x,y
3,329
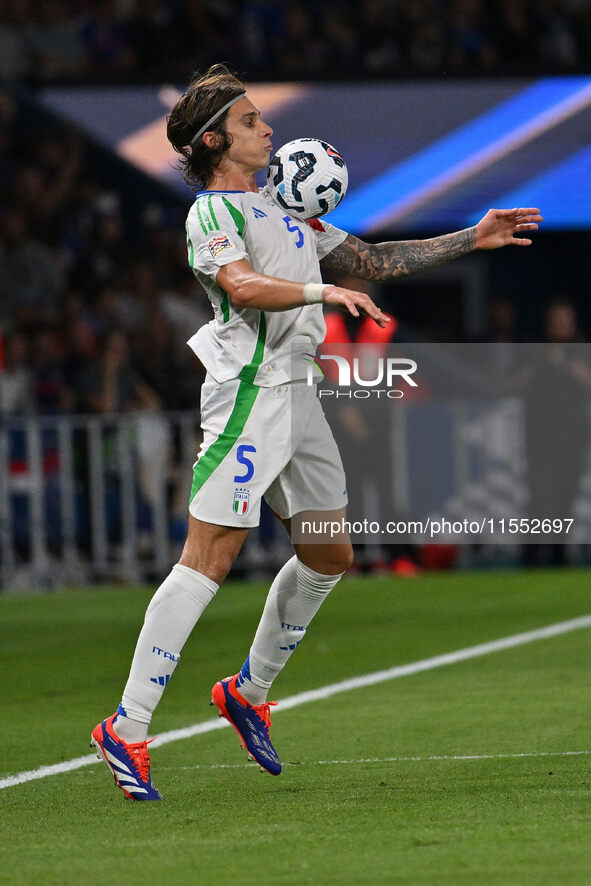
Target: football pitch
x,y
470,770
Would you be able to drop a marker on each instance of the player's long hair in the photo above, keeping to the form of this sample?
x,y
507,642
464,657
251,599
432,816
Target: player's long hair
x,y
205,94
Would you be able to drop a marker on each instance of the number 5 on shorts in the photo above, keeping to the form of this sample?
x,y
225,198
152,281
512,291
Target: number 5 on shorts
x,y
243,460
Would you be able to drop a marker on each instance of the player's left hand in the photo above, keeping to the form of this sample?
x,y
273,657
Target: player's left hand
x,y
499,227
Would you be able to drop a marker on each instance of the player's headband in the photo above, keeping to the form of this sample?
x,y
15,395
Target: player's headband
x,y
216,116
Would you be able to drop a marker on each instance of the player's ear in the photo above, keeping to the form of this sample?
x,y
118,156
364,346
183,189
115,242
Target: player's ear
x,y
212,140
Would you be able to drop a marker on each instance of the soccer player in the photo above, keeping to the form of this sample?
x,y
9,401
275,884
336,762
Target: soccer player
x,y
264,432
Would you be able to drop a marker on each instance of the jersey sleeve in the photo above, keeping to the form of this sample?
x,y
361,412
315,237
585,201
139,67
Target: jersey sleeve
x,y
327,236
215,228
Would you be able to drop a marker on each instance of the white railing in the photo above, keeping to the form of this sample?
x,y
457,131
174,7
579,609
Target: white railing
x,y
93,498
85,498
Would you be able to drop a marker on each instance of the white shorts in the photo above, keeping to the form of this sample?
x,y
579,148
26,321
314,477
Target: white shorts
x,y
259,441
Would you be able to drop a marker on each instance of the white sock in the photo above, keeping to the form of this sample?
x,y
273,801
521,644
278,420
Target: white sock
x,y
294,598
170,618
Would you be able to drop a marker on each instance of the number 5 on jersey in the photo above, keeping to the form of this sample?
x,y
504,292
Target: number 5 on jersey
x,y
292,227
243,460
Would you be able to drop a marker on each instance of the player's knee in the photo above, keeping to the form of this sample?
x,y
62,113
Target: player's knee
x,y
216,568
345,558
331,560
215,564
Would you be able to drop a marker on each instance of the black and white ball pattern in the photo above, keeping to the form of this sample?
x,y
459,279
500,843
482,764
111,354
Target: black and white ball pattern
x,y
307,177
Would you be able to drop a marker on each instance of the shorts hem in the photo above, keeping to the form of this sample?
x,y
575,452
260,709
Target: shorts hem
x,y
226,521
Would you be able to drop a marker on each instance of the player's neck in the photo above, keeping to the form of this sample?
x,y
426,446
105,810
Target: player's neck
x,y
232,180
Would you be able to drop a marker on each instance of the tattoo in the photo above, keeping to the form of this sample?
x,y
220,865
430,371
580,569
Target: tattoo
x,y
383,261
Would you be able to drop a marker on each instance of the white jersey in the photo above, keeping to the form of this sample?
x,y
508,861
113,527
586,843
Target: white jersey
x,y
256,346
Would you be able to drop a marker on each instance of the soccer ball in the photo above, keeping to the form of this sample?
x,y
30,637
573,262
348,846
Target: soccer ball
x,y
307,177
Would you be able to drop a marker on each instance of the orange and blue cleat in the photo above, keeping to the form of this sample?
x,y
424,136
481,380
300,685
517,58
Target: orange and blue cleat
x,y
251,722
129,763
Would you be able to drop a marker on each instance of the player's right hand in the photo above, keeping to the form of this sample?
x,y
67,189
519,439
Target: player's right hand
x,y
355,303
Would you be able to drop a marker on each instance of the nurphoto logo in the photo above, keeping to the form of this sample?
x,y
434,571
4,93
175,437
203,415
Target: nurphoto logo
x,y
345,372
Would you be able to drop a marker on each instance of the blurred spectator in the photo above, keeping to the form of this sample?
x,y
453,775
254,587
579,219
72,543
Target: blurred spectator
x,y
561,323
378,45
426,48
261,28
501,334
30,274
304,50
80,342
111,382
51,390
342,39
7,139
16,377
556,386
42,185
502,320
140,295
186,307
556,35
106,249
15,56
55,40
104,36
512,28
79,223
471,45
156,351
152,35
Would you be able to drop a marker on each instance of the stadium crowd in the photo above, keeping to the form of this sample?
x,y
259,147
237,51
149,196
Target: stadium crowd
x,y
95,294
89,288
43,40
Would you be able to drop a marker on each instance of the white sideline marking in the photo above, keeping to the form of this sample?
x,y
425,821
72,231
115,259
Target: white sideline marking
x,y
428,759
293,701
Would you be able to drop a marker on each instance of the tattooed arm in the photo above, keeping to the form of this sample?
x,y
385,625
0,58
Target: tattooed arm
x,y
383,261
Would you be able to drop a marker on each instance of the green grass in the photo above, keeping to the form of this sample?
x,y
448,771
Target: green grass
x,y
506,820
